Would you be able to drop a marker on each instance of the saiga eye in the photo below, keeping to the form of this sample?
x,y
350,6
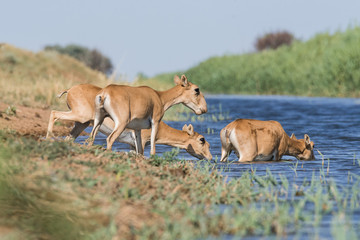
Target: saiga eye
x,y
197,91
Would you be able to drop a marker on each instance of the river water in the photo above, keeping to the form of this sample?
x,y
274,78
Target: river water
x,y
332,123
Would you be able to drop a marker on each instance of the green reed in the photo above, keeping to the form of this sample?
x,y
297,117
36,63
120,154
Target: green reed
x,y
182,113
54,189
325,65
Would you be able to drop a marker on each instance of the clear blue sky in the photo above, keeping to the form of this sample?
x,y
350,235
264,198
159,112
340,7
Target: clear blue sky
x,y
155,36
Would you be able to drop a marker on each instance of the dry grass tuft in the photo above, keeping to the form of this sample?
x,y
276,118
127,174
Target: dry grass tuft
x,y
35,79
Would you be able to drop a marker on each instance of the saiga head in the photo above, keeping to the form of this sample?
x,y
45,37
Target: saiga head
x,y
197,146
191,95
307,148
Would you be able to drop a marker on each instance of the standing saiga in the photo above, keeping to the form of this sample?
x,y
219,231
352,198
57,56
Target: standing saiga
x,y
142,108
80,100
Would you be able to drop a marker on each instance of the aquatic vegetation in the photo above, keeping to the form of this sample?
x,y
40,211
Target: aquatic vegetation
x,y
210,131
182,113
57,189
294,168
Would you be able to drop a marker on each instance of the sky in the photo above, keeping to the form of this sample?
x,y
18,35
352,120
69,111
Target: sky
x,y
157,36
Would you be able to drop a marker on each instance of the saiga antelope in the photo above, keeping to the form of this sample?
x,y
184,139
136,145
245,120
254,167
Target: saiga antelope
x,y
262,140
80,100
142,107
193,142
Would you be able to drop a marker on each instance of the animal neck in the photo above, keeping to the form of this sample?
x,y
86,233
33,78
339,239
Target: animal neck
x,y
171,97
172,137
294,147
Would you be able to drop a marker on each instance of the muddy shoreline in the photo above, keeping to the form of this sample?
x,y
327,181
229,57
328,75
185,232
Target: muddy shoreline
x,y
32,122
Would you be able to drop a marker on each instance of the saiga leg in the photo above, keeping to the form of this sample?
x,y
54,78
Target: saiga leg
x,y
100,115
154,130
138,142
226,146
118,129
56,115
78,128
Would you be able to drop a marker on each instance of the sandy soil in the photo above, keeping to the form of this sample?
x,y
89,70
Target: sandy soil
x,y
31,121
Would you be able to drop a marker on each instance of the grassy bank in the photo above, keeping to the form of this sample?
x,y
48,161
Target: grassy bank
x,y
60,190
325,65
35,79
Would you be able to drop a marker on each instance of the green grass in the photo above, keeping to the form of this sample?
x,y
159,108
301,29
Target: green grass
x,y
161,82
62,190
326,65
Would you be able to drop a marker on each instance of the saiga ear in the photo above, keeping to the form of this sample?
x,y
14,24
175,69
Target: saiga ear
x,y
177,80
293,136
307,139
183,81
189,129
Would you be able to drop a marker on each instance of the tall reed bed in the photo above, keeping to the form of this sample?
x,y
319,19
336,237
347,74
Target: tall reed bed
x,y
326,65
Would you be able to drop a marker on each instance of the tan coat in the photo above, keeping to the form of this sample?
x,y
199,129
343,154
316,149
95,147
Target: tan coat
x,y
81,102
142,107
193,142
262,140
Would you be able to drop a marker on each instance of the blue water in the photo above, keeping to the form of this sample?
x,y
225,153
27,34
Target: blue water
x,y
333,124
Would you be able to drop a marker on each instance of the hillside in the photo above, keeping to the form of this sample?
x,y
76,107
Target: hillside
x,y
326,65
35,79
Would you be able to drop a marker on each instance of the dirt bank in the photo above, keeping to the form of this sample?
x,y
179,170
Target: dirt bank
x,y
27,121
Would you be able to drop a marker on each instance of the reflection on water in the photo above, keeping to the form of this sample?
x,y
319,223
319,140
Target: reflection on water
x,y
333,125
